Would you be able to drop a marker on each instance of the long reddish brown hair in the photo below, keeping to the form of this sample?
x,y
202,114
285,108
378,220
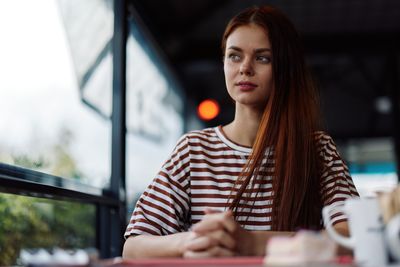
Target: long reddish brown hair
x,y
287,128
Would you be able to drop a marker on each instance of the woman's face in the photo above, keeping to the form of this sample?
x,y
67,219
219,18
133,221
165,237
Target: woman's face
x,y
248,66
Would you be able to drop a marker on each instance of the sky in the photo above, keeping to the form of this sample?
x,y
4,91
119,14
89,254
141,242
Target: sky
x,y
38,89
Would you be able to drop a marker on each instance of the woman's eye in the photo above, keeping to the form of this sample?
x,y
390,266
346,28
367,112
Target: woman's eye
x,y
234,57
264,59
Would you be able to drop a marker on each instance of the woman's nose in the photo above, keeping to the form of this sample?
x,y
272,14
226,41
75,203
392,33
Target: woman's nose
x,y
246,69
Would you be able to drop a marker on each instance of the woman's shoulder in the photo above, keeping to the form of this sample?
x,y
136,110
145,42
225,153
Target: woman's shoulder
x,y
322,138
207,133
326,147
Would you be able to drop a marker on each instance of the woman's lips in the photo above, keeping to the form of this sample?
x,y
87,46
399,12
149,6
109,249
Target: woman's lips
x,y
246,86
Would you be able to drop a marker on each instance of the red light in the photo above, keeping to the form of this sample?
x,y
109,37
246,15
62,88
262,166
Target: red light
x,y
208,109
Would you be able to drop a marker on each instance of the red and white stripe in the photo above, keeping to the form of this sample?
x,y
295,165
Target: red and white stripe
x,y
201,173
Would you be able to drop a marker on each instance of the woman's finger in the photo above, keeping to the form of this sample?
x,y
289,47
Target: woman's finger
x,y
216,221
208,224
203,242
200,243
215,251
223,238
229,222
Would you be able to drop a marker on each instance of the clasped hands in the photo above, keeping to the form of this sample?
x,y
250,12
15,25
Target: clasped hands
x,y
217,235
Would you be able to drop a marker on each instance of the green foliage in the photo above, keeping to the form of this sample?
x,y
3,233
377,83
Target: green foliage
x,y
30,163
18,222
38,223
27,222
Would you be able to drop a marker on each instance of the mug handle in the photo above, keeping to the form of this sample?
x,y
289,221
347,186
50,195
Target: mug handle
x,y
347,242
392,234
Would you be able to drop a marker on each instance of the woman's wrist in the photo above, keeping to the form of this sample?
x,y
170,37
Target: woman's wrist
x,y
247,243
181,241
254,243
260,242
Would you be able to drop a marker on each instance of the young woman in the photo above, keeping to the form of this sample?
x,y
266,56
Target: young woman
x,y
225,190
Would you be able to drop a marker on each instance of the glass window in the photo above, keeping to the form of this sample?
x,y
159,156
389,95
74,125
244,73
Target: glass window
x,y
154,112
56,86
30,223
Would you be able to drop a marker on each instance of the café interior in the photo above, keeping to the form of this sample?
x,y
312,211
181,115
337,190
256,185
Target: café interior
x,y
94,95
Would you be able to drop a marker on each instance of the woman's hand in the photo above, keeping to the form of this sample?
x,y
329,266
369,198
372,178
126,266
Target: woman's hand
x,y
207,246
218,235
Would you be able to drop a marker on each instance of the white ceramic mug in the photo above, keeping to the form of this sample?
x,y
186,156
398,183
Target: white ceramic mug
x,y
366,230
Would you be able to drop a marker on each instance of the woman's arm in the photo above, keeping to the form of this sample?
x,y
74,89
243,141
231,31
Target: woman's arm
x,y
218,227
150,246
259,242
343,229
211,238
260,239
247,243
186,244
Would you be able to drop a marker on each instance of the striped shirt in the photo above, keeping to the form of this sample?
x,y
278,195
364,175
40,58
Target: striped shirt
x,y
201,173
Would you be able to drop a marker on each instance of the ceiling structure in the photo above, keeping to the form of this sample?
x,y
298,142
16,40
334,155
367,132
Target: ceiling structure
x,y
352,47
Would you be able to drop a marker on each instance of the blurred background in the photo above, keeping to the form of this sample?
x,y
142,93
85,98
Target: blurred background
x,y
94,95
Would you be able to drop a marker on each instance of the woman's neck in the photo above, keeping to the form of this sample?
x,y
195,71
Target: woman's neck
x,y
243,129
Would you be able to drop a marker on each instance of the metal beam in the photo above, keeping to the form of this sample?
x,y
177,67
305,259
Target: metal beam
x,y
111,221
18,180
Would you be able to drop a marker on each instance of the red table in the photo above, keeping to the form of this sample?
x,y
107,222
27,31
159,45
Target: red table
x,y
214,262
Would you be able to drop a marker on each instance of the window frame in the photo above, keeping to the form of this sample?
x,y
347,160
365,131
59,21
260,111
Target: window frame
x,y
110,202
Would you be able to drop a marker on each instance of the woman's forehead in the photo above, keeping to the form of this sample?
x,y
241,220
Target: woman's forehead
x,y
250,35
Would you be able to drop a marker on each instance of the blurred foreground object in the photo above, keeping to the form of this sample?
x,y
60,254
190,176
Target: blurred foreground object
x,y
57,257
304,247
390,207
390,204
366,230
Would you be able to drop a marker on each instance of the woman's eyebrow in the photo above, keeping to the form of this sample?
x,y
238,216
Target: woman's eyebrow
x,y
235,48
258,50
